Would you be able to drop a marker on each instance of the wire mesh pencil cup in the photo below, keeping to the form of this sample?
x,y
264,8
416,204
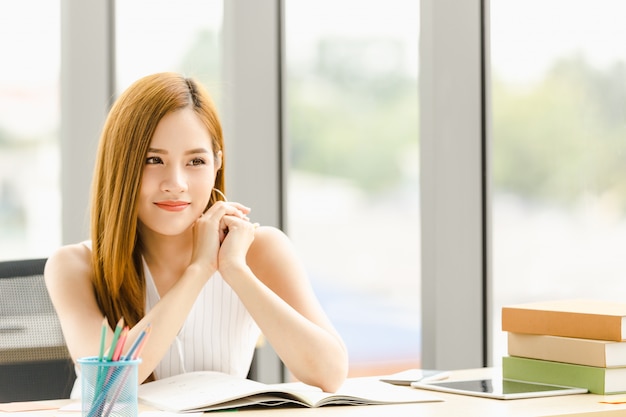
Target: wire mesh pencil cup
x,y
109,388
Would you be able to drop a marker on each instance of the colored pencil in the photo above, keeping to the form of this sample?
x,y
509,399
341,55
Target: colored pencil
x,y
116,335
102,380
103,335
146,333
135,346
132,354
117,353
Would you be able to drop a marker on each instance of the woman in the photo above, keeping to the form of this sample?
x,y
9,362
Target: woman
x,y
167,250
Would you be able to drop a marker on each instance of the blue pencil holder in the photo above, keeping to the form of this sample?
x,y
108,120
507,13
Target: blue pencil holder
x,y
109,388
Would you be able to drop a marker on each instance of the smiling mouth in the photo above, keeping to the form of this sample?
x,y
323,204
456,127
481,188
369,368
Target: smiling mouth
x,y
172,205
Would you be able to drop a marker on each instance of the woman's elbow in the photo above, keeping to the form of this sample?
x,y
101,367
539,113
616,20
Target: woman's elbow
x,y
334,374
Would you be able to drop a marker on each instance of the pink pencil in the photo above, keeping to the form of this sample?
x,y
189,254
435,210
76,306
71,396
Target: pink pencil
x,y
120,344
137,350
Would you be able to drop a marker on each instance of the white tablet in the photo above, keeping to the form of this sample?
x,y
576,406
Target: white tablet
x,y
413,375
502,389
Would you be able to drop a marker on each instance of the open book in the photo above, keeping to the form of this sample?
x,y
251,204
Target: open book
x,y
208,391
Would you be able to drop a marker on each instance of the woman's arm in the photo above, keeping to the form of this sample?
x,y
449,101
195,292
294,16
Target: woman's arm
x,y
68,278
275,289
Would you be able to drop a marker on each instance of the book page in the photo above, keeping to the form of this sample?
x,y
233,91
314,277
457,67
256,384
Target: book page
x,y
358,391
214,390
197,390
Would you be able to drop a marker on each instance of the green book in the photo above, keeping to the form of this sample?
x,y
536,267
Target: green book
x,y
597,380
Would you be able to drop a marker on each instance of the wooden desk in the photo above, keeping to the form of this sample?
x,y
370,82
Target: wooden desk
x,y
453,405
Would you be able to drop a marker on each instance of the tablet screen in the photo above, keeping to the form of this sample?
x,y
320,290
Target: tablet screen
x,y
501,389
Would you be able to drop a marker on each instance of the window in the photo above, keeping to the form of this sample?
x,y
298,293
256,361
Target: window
x,y
154,36
351,111
559,155
30,195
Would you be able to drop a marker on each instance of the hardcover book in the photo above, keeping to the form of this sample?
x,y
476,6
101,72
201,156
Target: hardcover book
x,y
586,319
600,353
597,380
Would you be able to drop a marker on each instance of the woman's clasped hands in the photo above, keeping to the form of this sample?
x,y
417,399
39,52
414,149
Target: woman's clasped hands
x,y
222,236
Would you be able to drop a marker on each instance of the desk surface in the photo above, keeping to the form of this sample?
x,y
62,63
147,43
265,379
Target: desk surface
x,y
453,405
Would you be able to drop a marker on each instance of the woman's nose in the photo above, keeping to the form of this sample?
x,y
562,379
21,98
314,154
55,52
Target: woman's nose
x,y
174,180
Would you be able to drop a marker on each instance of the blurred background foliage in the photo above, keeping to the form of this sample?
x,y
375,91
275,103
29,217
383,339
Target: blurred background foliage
x,y
576,140
327,134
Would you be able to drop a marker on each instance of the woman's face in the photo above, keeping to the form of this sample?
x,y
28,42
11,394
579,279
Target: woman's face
x,y
178,175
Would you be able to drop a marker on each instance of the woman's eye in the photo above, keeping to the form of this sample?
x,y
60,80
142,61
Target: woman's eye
x,y
196,162
152,160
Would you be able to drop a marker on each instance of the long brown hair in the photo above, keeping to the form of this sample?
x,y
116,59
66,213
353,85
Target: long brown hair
x,y
118,277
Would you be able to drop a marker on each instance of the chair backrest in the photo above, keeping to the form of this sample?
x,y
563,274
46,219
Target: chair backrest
x,y
34,361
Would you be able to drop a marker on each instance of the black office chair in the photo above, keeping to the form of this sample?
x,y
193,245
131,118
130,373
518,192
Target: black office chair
x,y
34,361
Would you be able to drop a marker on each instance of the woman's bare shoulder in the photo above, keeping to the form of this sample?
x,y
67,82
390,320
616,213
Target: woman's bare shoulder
x,y
69,262
264,231
268,239
273,257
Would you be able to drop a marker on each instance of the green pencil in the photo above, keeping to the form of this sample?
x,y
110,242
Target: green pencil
x,y
116,335
103,335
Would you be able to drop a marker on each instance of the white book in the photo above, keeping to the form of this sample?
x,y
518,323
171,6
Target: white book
x,y
209,391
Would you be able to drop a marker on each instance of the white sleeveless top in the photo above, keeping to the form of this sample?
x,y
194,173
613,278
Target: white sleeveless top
x,y
218,335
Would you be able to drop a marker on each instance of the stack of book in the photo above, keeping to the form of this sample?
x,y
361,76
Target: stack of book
x,y
576,343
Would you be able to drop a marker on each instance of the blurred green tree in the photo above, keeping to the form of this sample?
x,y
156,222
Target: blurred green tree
x,y
563,138
355,114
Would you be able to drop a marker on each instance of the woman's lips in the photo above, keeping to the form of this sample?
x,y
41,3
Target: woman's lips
x,y
172,205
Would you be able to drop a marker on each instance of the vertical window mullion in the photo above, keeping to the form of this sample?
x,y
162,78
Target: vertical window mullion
x,y
451,123
86,85
252,131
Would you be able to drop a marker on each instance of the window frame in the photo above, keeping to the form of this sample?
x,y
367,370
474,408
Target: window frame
x,y
454,173
454,149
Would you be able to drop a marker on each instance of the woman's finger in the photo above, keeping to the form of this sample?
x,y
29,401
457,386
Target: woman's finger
x,y
222,208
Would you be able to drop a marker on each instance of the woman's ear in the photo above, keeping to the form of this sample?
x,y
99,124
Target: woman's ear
x,y
218,161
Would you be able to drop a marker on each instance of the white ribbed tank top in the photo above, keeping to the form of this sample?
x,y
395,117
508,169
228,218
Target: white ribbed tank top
x,y
218,335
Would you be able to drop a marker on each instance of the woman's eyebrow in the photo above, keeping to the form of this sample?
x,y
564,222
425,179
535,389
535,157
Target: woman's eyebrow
x,y
156,150
197,150
189,152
